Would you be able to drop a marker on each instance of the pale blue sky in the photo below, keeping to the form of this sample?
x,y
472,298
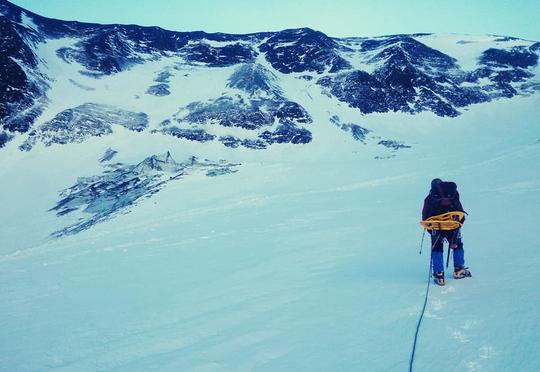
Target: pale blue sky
x,y
520,18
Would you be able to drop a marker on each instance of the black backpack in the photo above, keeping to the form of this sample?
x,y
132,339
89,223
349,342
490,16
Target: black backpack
x,y
444,198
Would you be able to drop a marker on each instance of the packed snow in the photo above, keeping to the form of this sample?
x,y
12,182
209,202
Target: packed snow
x,y
304,258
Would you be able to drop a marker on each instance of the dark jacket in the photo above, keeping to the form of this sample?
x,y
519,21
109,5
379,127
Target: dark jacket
x,y
433,207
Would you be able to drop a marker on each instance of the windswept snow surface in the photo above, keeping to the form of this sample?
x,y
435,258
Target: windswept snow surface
x,y
306,259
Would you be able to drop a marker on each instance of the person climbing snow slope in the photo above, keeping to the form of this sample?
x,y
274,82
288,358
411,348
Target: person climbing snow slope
x,y
442,199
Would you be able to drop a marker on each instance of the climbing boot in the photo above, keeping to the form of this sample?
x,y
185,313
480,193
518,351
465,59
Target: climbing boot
x,y
462,272
439,278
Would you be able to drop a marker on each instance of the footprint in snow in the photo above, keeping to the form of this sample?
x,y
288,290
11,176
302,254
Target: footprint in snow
x,y
472,366
459,335
433,316
437,304
485,352
448,289
468,324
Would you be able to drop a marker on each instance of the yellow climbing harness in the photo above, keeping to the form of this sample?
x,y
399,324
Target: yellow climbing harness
x,y
445,221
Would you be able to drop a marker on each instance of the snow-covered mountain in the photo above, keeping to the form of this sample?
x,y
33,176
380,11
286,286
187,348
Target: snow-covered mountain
x,y
185,201
154,74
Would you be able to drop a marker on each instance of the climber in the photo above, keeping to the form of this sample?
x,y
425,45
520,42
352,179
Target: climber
x,y
443,198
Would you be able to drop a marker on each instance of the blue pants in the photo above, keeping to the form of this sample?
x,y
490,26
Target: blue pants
x,y
437,249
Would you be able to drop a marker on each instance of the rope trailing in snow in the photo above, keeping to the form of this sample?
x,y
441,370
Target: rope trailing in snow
x,y
423,307
422,243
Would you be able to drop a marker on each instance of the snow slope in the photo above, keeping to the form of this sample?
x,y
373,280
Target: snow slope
x,y
299,257
306,259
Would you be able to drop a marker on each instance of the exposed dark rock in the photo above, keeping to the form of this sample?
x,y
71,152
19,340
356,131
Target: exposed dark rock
x,y
163,77
359,89
219,56
395,145
358,133
234,142
5,138
255,80
516,57
252,115
120,187
288,111
107,52
505,39
513,75
404,75
287,133
254,144
220,171
190,134
88,120
229,112
411,78
21,92
236,112
302,50
230,141
108,155
403,50
504,67
82,86
409,74
159,90
108,49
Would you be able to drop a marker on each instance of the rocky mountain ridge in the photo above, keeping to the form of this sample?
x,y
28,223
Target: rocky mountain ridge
x,y
396,73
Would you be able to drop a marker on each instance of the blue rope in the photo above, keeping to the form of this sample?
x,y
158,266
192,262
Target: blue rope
x,y
422,243
420,319
424,307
